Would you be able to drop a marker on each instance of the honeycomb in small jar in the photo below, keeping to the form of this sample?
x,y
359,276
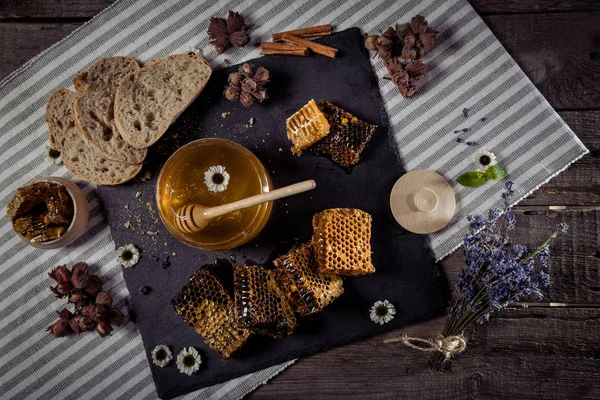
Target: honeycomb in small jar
x,y
342,241
260,304
306,127
348,136
205,305
308,290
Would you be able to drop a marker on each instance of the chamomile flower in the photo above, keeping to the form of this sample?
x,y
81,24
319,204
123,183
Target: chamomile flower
x,y
128,255
382,312
216,178
485,159
188,361
161,355
192,50
53,155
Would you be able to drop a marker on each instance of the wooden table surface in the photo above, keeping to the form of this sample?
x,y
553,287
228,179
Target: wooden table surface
x,y
547,350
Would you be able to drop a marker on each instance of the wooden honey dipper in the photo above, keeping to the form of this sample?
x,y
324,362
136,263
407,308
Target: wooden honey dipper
x,y
192,218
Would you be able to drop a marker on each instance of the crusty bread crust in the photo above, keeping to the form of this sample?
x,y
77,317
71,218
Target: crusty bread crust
x,y
75,153
148,101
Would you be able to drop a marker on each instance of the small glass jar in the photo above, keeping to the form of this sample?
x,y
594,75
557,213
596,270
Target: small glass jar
x,y
182,181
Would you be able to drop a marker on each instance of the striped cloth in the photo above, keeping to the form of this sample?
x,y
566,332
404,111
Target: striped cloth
x,y
468,68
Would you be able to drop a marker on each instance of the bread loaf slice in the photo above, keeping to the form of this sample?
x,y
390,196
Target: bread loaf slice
x,y
94,110
76,154
106,72
148,101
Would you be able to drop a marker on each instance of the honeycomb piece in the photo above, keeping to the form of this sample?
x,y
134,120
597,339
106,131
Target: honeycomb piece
x,y
347,138
308,291
306,127
342,241
260,304
205,305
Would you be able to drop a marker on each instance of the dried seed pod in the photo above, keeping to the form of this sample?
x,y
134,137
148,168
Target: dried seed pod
x,y
371,42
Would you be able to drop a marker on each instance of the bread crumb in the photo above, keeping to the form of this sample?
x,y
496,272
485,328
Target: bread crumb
x,y
126,206
173,254
174,136
146,177
151,233
251,122
280,149
138,194
224,115
127,224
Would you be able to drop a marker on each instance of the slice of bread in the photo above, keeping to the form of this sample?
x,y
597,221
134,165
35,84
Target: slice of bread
x,y
76,154
104,73
148,101
94,110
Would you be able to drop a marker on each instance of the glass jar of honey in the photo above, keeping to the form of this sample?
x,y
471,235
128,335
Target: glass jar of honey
x,y
182,181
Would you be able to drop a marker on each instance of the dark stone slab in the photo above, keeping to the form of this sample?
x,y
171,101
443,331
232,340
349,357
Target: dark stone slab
x,y
406,272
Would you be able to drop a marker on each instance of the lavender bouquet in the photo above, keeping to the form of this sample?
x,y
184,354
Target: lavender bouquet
x,y
495,274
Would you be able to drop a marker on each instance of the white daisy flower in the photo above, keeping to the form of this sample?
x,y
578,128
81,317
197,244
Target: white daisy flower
x,y
192,50
188,361
128,255
53,155
485,159
216,178
382,312
161,355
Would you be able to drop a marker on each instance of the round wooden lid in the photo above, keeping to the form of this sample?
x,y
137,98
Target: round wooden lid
x,y
422,201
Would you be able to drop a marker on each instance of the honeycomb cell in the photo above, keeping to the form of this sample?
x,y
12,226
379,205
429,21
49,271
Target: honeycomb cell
x,y
307,126
260,304
205,305
307,290
347,137
342,241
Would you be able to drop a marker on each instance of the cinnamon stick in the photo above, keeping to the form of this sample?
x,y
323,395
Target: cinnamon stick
x,y
319,30
316,47
280,46
299,52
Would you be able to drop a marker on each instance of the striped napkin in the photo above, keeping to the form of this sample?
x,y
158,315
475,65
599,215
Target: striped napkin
x,y
468,68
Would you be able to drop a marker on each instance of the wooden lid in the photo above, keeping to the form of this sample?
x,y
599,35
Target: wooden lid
x,y
422,201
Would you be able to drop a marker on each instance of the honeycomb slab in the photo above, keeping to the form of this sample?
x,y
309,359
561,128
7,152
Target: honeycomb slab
x,y
347,138
205,305
306,127
308,291
342,241
260,304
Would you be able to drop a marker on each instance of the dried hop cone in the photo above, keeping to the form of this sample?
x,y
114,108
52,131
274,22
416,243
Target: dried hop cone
x,y
418,38
223,34
247,85
387,44
405,76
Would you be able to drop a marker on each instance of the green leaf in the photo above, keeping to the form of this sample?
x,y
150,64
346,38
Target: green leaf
x,y
495,172
472,179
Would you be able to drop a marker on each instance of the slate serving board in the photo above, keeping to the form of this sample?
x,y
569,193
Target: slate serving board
x,y
406,272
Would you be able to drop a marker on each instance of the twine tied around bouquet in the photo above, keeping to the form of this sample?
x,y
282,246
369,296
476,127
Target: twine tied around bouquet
x,y
448,346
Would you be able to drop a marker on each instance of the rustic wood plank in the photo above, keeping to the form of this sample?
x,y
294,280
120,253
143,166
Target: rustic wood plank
x,y
20,42
575,256
522,353
559,52
24,9
533,6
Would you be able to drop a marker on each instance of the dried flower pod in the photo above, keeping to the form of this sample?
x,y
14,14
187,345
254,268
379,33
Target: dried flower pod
x,y
248,69
371,42
239,39
62,289
104,299
419,40
249,85
246,99
84,323
261,76
100,312
89,311
223,33
104,328
94,285
60,274
75,326
232,93
115,317
405,75
65,314
402,30
260,95
80,275
60,328
235,79
75,296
